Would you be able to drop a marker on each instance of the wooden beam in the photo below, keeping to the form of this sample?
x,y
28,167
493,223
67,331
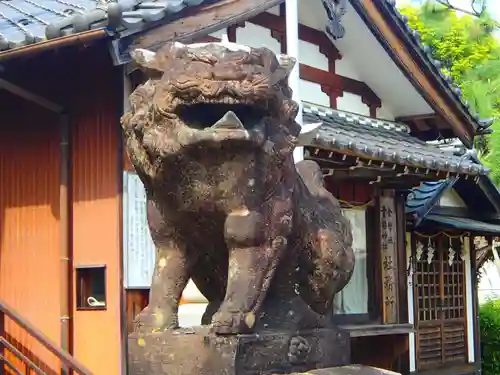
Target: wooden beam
x,y
413,118
334,158
381,179
336,82
203,19
465,213
421,124
359,173
307,34
30,96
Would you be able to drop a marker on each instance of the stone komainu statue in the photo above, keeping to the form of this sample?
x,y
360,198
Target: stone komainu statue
x,y
211,135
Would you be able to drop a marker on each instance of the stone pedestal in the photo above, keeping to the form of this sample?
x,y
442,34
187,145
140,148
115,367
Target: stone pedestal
x,y
349,370
196,352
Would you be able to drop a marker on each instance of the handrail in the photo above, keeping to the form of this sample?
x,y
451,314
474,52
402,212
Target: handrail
x,y
64,356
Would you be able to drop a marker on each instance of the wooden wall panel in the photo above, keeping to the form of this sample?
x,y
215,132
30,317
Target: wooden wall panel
x,y
97,215
85,82
354,192
137,300
29,223
379,351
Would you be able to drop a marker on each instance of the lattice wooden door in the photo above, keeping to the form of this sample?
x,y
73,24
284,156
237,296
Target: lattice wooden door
x,y
439,292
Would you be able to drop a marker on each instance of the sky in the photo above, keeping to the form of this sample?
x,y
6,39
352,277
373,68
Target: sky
x,y
493,6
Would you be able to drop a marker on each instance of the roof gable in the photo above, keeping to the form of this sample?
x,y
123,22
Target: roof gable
x,y
25,22
470,197
403,44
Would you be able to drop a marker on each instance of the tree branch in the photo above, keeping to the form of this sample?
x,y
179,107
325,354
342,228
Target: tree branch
x,y
474,3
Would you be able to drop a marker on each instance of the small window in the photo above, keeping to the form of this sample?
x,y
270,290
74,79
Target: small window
x,y
91,288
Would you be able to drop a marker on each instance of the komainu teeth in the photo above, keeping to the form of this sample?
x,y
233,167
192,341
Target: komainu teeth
x,y
229,121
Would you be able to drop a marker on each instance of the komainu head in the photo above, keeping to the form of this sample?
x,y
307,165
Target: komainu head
x,y
214,97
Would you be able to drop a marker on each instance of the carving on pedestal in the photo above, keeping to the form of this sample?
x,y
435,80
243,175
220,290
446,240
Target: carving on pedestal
x,y
299,350
211,135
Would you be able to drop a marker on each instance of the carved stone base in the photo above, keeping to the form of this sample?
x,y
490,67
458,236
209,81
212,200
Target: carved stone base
x,y
196,352
349,370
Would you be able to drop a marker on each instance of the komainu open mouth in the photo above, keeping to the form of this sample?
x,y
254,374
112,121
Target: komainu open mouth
x,y
221,116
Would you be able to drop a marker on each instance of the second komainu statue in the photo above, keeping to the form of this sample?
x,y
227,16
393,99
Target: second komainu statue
x,y
211,134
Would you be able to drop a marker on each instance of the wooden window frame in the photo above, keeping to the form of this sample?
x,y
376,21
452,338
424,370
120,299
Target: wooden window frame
x,y
372,272
440,321
83,287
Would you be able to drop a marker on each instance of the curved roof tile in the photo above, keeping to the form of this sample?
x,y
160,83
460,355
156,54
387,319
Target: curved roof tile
x,y
384,140
24,22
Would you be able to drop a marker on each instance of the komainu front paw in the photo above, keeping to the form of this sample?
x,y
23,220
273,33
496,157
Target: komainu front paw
x,y
156,319
231,322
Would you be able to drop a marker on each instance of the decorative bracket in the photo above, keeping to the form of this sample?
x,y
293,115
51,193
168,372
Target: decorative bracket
x,y
335,9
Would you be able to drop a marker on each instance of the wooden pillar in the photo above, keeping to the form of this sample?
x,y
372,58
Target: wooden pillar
x,y
292,43
411,307
469,298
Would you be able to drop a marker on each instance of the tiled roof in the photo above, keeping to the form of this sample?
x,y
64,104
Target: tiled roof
x,y
24,22
383,140
421,199
436,65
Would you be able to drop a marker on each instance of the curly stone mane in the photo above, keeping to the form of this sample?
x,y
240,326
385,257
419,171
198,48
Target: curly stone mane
x,y
188,86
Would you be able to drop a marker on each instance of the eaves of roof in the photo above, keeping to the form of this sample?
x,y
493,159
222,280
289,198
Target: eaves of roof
x,y
421,199
388,141
464,224
25,23
431,66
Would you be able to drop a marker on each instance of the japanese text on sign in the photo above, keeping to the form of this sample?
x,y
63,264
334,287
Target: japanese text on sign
x,y
388,246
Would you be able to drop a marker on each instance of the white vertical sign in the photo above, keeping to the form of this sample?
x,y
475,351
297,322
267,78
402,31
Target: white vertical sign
x,y
138,247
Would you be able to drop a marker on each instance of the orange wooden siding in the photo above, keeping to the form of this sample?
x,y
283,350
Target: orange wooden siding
x,y
89,86
29,224
97,216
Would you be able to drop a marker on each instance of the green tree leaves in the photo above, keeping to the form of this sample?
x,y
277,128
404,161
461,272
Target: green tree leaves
x,y
470,53
489,322
461,42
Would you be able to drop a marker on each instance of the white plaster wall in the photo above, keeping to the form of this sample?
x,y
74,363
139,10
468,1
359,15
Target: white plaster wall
x,y
344,67
352,103
310,92
275,11
257,36
310,55
385,113
451,199
218,33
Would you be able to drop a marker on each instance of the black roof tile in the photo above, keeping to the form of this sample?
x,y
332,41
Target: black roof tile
x,y
24,22
423,197
383,140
